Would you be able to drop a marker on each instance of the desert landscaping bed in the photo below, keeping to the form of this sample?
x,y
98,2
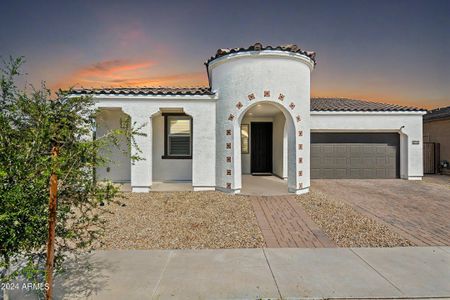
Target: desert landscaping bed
x,y
181,220
346,226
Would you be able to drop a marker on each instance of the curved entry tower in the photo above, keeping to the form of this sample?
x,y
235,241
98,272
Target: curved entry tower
x,y
275,80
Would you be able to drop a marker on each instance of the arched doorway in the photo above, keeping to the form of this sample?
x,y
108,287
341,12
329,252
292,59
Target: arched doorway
x,y
265,151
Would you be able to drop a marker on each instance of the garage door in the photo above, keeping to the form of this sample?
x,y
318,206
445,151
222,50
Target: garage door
x,y
355,155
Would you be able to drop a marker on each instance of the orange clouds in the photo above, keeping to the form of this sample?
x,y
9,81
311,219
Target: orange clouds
x,y
109,71
119,72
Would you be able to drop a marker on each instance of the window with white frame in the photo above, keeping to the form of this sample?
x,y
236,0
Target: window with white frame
x,y
178,136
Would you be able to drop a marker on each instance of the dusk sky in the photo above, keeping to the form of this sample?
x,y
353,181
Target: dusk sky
x,y
391,51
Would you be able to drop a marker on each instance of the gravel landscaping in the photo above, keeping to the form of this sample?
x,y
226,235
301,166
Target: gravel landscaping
x,y
347,227
181,220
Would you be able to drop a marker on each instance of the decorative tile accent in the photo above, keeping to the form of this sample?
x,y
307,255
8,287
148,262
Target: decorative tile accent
x,y
266,93
281,97
228,172
228,159
300,185
239,105
228,131
300,160
228,185
299,118
292,105
300,133
300,146
300,173
251,97
231,117
228,145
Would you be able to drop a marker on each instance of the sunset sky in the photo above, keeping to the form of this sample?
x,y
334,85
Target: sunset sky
x,y
391,51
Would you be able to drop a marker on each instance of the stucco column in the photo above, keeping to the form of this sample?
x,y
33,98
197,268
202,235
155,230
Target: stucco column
x,y
203,150
141,170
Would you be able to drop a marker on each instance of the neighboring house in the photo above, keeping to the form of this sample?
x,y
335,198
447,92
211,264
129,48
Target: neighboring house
x,y
436,129
257,117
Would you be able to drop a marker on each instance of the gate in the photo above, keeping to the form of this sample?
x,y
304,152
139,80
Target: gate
x,y
430,158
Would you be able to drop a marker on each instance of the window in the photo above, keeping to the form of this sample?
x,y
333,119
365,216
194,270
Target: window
x,y
178,136
244,139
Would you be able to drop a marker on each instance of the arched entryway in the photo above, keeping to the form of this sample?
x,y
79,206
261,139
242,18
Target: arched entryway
x,y
265,149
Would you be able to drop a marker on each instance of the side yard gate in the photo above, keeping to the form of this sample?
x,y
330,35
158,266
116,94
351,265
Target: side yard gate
x,y
431,158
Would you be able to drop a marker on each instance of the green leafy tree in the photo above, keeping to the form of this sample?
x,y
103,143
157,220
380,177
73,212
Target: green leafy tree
x,y
31,124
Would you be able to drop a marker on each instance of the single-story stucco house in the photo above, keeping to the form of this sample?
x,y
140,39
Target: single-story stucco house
x,y
257,117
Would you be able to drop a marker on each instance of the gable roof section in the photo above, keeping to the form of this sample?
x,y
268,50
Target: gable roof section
x,y
352,105
259,47
155,91
441,113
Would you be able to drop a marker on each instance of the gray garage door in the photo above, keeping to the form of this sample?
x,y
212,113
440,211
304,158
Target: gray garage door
x,y
355,155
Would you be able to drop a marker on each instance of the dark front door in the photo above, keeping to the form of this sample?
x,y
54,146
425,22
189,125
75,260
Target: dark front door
x,y
261,147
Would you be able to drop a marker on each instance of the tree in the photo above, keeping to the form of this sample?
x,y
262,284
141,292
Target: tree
x,y
32,123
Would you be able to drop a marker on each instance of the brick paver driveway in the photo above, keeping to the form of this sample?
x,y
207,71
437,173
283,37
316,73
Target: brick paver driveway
x,y
419,211
285,224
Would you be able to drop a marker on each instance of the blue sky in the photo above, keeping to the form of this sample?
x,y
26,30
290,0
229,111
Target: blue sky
x,y
392,51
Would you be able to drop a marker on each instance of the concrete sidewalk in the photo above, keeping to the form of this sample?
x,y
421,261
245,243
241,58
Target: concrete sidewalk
x,y
420,272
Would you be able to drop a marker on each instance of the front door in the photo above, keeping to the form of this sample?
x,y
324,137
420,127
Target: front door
x,y
261,147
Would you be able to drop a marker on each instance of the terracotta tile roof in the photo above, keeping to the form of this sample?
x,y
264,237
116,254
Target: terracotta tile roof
x,y
343,104
317,104
259,47
145,91
437,114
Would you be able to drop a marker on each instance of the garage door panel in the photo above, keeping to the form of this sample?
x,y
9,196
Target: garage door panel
x,y
328,173
381,162
340,150
340,173
340,162
390,173
391,151
354,155
354,149
381,149
368,150
355,173
327,150
315,173
380,173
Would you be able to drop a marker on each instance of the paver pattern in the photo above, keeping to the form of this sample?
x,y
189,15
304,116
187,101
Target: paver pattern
x,y
284,224
418,211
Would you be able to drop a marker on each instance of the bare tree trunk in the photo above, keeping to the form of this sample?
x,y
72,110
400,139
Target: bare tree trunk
x,y
51,228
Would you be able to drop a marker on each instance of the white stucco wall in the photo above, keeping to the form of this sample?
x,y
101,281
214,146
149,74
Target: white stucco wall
x,y
236,76
278,145
119,167
141,109
167,169
407,124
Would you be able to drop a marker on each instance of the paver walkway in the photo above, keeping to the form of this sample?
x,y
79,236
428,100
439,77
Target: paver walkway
x,y
285,224
418,211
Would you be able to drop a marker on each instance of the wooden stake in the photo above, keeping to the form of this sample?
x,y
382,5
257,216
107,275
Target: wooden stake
x,y
51,228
